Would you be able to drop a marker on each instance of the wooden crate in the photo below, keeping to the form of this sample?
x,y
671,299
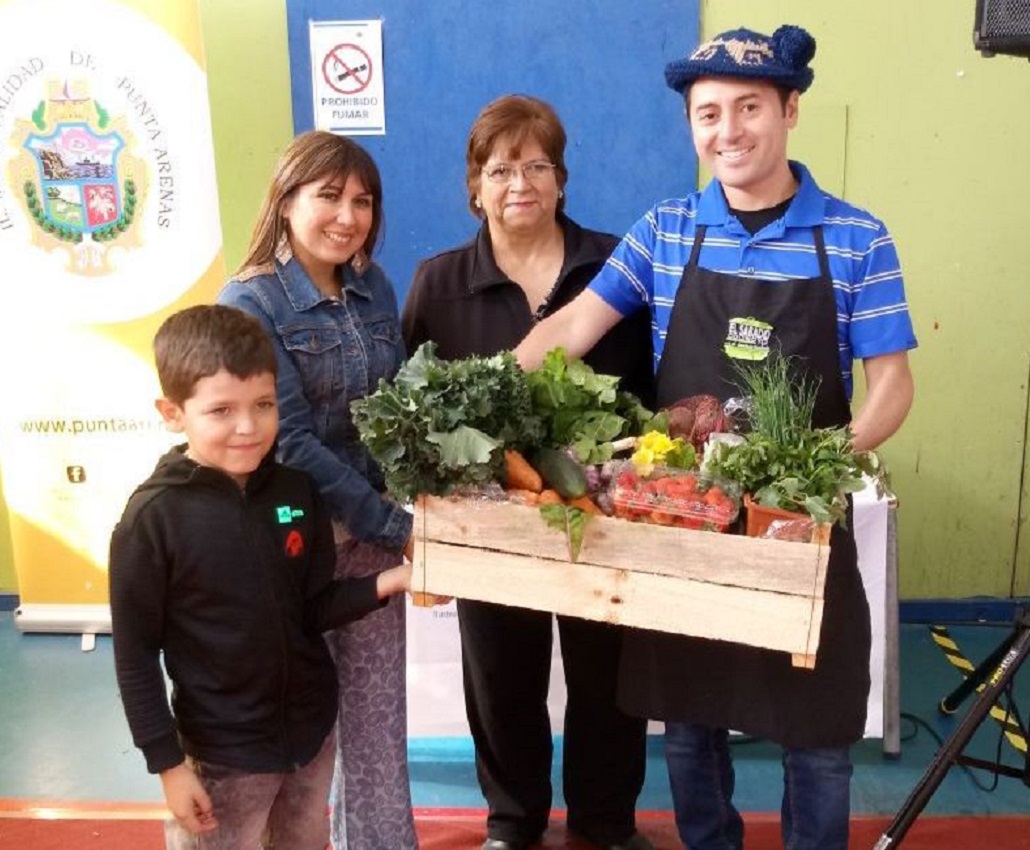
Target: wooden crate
x,y
765,593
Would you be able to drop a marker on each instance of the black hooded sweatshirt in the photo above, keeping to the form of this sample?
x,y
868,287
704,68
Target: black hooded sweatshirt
x,y
235,586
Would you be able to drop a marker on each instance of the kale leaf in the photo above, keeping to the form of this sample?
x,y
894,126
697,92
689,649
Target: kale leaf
x,y
443,424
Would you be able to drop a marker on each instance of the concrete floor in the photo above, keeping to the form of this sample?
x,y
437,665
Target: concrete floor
x,y
63,738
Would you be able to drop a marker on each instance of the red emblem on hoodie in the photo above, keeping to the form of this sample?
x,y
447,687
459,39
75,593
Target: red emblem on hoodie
x,y
294,544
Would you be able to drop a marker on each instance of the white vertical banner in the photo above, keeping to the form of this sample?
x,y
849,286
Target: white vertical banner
x,y
108,222
347,77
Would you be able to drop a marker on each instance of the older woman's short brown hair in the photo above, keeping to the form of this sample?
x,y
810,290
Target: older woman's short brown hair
x,y
514,119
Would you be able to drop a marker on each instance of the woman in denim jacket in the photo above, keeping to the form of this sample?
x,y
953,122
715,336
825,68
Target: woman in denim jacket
x,y
332,315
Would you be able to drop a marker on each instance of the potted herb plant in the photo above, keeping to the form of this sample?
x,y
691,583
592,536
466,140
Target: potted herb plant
x,y
783,462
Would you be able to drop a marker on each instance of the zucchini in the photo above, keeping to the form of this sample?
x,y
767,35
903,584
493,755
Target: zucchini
x,y
561,473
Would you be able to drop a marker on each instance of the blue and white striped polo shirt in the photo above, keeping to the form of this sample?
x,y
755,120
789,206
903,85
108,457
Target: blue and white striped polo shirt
x,y
872,314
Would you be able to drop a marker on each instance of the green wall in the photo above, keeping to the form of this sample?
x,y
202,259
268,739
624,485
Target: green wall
x,y
249,84
904,118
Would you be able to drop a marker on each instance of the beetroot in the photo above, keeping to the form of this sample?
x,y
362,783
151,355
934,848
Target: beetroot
x,y
681,422
695,417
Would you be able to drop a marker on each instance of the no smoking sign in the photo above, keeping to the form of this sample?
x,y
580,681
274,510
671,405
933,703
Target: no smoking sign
x,y
347,69
347,77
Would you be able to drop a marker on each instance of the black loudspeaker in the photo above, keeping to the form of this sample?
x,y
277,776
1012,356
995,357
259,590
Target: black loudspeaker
x,y
1002,26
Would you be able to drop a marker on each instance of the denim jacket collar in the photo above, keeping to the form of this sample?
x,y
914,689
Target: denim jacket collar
x,y
301,290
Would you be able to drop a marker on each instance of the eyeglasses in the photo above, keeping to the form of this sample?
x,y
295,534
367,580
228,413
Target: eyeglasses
x,y
504,172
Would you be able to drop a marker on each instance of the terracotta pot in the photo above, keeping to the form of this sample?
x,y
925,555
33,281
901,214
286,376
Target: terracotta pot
x,y
760,517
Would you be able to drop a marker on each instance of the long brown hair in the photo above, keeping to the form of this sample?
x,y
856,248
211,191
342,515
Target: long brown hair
x,y
514,119
312,156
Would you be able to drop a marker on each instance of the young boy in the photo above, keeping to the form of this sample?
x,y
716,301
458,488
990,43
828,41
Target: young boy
x,y
223,561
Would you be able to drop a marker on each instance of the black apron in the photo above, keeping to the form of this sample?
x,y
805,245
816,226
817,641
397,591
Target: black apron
x,y
730,685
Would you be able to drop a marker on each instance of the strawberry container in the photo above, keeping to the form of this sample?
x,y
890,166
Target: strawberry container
x,y
683,498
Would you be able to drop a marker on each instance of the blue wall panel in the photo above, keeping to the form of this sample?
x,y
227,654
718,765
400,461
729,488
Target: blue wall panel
x,y
598,62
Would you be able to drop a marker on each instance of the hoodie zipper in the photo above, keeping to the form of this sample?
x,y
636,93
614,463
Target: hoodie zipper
x,y
268,587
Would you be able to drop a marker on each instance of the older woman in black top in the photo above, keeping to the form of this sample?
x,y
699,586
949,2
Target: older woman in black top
x,y
527,260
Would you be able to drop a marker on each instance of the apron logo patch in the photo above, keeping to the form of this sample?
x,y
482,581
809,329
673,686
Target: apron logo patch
x,y
747,339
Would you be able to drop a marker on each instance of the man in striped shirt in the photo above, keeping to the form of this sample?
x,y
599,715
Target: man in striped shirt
x,y
872,314
761,261
646,268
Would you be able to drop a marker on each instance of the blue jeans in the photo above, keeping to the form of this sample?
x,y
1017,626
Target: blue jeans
x,y
816,792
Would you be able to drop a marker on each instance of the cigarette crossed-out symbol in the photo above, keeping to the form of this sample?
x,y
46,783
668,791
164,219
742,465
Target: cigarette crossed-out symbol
x,y
347,69
348,72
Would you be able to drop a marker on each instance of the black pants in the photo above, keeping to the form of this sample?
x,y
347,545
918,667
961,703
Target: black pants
x,y
506,662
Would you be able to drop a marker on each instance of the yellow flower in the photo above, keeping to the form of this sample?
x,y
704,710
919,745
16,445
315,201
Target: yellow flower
x,y
657,442
643,456
652,450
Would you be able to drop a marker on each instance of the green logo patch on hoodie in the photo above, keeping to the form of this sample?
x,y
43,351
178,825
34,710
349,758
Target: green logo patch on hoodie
x,y
286,514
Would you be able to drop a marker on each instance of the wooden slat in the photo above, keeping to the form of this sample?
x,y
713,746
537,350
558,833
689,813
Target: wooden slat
x,y
733,560
763,593
626,597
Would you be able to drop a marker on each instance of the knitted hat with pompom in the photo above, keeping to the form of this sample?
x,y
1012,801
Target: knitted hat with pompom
x,y
781,58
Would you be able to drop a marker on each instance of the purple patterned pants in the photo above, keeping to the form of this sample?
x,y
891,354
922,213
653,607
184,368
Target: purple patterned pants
x,y
258,810
371,796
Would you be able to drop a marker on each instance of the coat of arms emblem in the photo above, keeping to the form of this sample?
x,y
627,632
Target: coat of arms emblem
x,y
77,179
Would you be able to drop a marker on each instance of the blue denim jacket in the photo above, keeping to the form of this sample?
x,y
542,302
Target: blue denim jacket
x,y
330,351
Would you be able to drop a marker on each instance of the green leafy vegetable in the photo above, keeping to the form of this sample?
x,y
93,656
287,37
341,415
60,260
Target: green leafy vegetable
x,y
463,446
570,521
780,396
812,475
442,424
583,410
785,462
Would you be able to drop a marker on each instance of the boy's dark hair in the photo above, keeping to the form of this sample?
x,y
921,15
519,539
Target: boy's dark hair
x,y
197,342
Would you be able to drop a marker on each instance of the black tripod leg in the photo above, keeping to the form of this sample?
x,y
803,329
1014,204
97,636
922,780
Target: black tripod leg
x,y
953,746
950,703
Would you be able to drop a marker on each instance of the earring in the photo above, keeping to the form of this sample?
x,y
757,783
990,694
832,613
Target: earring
x,y
478,203
561,193
283,249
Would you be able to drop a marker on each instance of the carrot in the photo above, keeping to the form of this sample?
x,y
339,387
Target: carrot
x,y
585,504
550,497
519,475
